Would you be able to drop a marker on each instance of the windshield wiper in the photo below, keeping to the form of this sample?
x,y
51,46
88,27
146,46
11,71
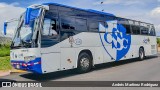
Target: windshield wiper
x,y
26,44
16,47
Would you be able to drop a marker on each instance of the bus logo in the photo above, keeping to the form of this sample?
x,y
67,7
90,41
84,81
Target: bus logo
x,y
146,41
78,41
118,40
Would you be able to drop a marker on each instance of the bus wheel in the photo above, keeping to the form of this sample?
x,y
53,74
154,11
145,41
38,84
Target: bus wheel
x,y
84,63
141,54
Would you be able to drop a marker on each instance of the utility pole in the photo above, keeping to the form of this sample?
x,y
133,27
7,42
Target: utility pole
x,y
101,4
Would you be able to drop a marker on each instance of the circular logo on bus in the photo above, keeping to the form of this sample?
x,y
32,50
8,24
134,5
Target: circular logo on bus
x,y
115,41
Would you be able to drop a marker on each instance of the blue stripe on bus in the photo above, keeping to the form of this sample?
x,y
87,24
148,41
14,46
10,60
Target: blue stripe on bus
x,y
33,66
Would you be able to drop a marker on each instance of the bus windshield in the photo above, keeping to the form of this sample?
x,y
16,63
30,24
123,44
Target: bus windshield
x,y
24,33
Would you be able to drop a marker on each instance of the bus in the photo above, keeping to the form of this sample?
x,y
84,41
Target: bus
x,y
52,37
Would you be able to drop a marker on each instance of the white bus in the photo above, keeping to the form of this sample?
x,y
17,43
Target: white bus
x,y
53,37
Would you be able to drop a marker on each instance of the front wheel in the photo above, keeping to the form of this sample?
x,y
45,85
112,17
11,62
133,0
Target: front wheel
x,y
84,63
141,54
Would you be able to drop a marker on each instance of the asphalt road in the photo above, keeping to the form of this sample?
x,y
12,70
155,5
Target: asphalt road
x,y
129,70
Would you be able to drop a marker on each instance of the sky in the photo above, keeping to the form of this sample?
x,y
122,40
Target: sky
x,y
142,10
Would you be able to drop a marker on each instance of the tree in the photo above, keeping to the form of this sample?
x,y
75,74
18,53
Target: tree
x,y
158,41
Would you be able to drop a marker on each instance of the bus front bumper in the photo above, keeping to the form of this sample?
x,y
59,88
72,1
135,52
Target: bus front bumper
x,y
33,66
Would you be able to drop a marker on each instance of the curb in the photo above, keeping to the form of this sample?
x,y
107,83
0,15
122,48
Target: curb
x,y
17,71
5,73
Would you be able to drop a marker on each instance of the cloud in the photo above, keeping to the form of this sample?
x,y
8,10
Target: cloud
x,y
158,27
7,12
15,4
155,13
155,17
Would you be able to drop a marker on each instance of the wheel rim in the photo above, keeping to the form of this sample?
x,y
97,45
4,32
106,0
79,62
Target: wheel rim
x,y
84,63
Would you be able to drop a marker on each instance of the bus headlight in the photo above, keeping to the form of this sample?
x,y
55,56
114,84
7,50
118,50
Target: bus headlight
x,y
29,58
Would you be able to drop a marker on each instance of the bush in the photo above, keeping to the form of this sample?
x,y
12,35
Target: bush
x,y
158,41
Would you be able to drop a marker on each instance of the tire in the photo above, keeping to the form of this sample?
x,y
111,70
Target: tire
x,y
141,54
84,63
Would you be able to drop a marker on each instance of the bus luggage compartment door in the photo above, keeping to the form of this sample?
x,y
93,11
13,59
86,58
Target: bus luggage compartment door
x,y
50,61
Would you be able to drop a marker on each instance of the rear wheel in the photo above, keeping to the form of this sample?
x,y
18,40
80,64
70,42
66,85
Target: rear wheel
x,y
141,54
84,63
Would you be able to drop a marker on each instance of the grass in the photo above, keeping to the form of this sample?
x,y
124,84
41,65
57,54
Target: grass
x,y
4,57
4,51
5,63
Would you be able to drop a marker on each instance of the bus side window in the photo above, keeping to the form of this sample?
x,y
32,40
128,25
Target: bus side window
x,y
128,29
46,26
81,24
152,31
68,23
125,24
50,34
144,30
94,25
135,29
50,28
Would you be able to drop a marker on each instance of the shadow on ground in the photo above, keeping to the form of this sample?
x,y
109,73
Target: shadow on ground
x,y
68,73
9,80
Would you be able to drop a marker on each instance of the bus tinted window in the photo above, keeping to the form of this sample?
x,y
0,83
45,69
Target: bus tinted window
x,y
52,13
50,33
68,23
125,24
94,25
152,31
144,30
128,29
135,29
81,24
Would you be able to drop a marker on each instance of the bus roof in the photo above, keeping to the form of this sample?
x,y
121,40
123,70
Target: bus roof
x,y
87,10
92,11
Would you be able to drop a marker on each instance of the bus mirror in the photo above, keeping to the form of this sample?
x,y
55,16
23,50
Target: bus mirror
x,y
5,28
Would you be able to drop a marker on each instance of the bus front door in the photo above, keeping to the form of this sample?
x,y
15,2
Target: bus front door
x,y
50,46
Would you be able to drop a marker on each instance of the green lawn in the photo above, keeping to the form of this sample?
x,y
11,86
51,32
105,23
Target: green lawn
x,y
4,57
4,51
5,63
